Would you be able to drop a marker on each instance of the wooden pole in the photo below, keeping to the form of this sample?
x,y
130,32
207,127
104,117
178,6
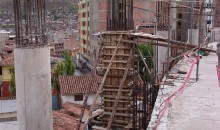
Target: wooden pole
x,y
119,90
145,64
87,95
103,81
200,40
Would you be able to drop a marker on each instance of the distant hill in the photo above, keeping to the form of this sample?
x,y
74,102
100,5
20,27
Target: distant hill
x,y
7,5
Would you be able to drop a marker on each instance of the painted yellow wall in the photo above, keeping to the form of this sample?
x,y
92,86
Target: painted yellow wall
x,y
73,53
6,76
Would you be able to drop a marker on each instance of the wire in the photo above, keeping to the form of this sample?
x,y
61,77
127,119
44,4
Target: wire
x,y
177,19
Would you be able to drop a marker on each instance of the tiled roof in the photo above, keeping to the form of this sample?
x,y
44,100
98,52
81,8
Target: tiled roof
x,y
79,84
8,61
74,109
67,119
62,121
83,84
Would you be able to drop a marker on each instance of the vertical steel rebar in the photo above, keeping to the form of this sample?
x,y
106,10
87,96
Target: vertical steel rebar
x,y
168,48
199,40
30,23
192,22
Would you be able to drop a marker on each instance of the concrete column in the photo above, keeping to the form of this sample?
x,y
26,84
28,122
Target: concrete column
x,y
162,52
195,36
33,88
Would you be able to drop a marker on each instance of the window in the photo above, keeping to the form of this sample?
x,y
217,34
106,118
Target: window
x,y
209,22
78,97
9,71
179,16
179,23
208,5
84,23
84,50
84,15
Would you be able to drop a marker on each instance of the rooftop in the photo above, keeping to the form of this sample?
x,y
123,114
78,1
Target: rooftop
x,y
79,84
194,106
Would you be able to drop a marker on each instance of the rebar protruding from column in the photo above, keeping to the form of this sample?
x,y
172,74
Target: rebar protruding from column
x,y
30,23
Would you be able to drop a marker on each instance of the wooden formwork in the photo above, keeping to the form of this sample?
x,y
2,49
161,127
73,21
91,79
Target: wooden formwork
x,y
123,113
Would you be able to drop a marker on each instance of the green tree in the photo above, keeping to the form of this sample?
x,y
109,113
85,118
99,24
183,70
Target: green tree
x,y
147,52
69,67
59,70
12,82
63,68
73,9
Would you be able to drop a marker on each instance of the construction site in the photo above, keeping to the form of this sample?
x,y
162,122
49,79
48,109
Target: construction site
x,y
155,75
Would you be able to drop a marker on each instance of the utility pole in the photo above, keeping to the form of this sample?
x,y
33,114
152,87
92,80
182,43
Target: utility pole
x,y
192,22
168,48
200,39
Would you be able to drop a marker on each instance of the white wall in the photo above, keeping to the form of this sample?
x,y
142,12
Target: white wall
x,y
195,36
7,106
162,51
71,99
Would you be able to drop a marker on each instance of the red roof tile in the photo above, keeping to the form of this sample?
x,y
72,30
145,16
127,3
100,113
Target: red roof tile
x,y
79,84
62,121
74,109
68,119
8,61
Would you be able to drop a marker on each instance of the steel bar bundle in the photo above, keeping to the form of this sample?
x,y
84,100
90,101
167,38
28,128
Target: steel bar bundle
x,y
30,23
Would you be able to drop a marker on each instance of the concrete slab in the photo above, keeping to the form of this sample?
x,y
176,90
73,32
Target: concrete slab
x,y
9,125
198,107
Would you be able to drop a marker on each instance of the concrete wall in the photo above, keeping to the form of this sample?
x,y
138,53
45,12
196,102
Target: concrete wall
x,y
33,83
162,52
215,36
71,99
195,36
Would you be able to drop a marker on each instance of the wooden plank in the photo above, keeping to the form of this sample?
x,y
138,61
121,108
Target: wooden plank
x,y
116,86
115,90
115,61
118,121
98,128
113,68
123,55
114,47
121,97
87,96
118,114
103,80
124,101
119,91
129,126
118,108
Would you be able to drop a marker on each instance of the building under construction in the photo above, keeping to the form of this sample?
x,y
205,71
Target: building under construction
x,y
128,93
